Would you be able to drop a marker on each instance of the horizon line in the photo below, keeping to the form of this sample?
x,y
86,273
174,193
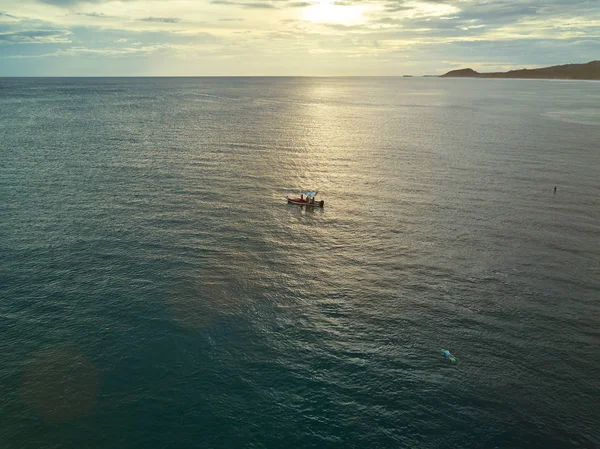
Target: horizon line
x,y
220,76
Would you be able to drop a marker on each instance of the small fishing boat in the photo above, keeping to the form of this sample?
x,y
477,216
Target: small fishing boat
x,y
306,199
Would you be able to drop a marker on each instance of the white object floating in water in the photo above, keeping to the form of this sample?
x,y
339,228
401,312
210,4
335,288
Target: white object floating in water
x,y
448,355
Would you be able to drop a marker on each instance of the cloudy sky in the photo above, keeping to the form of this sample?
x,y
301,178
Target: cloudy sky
x,y
292,37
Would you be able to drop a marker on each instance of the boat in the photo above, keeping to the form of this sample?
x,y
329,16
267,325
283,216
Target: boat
x,y
306,199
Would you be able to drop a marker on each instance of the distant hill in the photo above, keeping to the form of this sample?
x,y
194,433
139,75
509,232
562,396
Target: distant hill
x,y
462,73
589,71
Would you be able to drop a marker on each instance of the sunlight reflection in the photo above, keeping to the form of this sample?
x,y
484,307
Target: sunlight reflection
x,y
327,138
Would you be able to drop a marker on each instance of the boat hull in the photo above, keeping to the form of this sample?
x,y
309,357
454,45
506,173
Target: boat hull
x,y
305,203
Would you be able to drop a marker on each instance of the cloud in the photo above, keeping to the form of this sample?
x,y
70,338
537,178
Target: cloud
x,y
5,14
391,7
498,19
390,34
97,15
70,3
36,37
250,5
388,21
160,19
66,3
342,27
94,52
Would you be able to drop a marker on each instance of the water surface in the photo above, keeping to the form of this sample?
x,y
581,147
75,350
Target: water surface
x,y
158,292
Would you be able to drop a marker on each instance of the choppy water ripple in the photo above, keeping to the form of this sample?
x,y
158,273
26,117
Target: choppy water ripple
x,y
158,292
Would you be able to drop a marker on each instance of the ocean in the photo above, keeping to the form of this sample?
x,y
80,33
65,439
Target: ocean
x,y
156,291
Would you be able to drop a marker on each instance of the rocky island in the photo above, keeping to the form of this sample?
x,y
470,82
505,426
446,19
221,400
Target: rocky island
x,y
589,71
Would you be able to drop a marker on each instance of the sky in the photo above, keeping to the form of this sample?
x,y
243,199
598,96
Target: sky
x,y
292,37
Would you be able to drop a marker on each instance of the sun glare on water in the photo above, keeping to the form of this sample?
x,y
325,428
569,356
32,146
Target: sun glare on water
x,y
326,11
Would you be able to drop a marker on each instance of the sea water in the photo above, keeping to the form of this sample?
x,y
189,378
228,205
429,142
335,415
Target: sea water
x,y
156,291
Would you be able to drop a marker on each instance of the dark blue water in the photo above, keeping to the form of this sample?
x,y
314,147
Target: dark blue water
x,y
156,291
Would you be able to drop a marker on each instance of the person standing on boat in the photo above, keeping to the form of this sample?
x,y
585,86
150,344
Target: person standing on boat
x,y
302,197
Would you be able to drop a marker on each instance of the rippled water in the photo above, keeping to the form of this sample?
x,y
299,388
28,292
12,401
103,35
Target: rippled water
x,y
158,292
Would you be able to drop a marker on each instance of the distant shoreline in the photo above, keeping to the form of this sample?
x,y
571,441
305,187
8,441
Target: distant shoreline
x,y
589,71
483,76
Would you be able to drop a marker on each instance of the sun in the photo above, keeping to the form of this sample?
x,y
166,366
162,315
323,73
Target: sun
x,y
327,11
